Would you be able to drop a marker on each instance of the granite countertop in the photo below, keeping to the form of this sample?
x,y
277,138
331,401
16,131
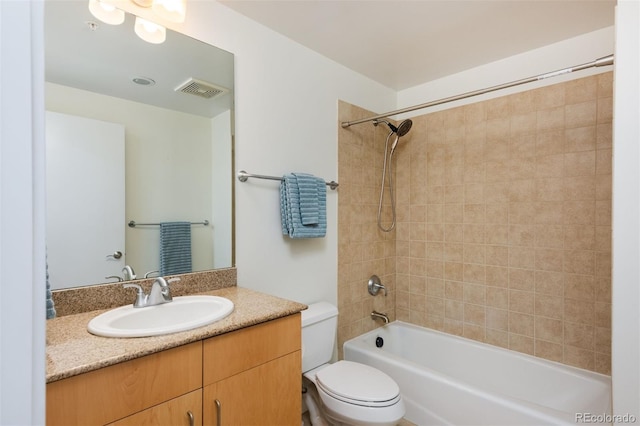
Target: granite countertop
x,y
72,350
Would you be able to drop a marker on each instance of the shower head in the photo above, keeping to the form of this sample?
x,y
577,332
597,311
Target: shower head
x,y
402,129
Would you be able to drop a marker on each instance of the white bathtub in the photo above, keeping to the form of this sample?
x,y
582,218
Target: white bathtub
x,y
449,380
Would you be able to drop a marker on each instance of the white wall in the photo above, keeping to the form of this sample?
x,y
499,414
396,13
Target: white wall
x,y
22,253
222,215
286,120
626,213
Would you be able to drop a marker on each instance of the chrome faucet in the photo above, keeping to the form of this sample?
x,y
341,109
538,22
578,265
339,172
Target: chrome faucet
x,y
160,293
128,273
382,316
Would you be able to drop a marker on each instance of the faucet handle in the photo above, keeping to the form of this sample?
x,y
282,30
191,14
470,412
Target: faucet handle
x,y
375,285
148,274
173,280
141,298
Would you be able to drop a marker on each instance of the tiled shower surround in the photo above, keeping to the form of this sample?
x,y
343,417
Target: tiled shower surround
x,y
504,222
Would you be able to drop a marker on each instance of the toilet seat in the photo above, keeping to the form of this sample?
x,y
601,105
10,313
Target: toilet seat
x,y
358,384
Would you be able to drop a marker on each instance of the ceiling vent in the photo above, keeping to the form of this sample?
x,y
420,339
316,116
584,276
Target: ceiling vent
x,y
201,88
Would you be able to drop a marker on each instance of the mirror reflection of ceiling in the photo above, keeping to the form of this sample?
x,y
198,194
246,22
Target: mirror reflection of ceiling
x,y
85,53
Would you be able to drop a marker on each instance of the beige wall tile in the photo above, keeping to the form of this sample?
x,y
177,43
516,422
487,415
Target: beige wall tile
x,y
603,135
497,337
550,119
578,357
581,90
474,314
551,142
497,319
581,114
549,306
549,166
549,329
521,279
520,323
521,343
548,350
497,297
497,276
580,138
504,223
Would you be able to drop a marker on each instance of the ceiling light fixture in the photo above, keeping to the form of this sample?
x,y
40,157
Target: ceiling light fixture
x,y
143,81
149,31
105,12
170,10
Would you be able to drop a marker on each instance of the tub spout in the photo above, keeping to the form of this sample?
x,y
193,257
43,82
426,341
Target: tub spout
x,y
382,316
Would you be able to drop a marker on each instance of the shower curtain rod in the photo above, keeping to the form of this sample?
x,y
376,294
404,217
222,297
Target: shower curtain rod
x,y
601,62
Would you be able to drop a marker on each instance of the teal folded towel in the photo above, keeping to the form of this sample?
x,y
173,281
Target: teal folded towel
x,y
308,198
50,307
175,248
303,206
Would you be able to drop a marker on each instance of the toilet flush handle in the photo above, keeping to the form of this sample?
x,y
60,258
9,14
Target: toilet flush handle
x,y
375,285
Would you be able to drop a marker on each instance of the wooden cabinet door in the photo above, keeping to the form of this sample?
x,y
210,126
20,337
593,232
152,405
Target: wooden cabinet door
x,y
266,395
111,393
185,410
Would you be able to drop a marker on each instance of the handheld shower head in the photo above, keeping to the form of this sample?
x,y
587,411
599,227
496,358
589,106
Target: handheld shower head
x,y
402,129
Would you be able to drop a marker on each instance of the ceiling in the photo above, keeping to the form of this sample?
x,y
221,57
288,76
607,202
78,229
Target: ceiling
x,y
401,43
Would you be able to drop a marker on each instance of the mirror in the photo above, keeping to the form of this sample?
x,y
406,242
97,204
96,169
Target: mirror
x,y
167,158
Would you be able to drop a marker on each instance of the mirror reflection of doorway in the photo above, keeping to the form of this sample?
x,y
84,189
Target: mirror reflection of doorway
x,y
85,211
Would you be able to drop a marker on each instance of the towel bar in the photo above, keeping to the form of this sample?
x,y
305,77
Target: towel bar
x,y
133,223
243,176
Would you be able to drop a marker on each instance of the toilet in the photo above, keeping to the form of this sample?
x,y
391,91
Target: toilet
x,y
344,392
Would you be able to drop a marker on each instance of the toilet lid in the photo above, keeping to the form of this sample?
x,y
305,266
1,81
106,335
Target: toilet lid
x,y
358,384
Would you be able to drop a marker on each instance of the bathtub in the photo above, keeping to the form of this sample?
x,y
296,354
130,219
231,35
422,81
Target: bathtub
x,y
449,380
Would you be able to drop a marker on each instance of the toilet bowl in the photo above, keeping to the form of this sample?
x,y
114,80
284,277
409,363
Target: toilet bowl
x,y
347,392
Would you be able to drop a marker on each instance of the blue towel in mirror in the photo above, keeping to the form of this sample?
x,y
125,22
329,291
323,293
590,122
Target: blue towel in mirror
x,y
175,248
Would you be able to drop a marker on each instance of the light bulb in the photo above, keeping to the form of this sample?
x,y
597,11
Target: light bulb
x,y
171,10
149,31
105,12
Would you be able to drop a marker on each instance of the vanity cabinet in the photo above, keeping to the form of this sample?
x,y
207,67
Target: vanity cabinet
x,y
253,376
250,376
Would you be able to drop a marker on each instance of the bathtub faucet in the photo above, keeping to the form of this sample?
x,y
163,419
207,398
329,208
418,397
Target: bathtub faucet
x,y
384,317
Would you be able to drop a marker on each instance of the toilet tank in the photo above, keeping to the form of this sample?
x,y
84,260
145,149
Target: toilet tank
x,y
319,326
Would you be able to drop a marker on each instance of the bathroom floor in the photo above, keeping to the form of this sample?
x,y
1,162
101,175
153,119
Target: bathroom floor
x,y
307,422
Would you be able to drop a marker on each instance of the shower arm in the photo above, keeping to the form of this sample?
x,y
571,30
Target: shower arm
x,y
601,62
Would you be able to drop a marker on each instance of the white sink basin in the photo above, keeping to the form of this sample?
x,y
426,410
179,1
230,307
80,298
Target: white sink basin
x,y
183,313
